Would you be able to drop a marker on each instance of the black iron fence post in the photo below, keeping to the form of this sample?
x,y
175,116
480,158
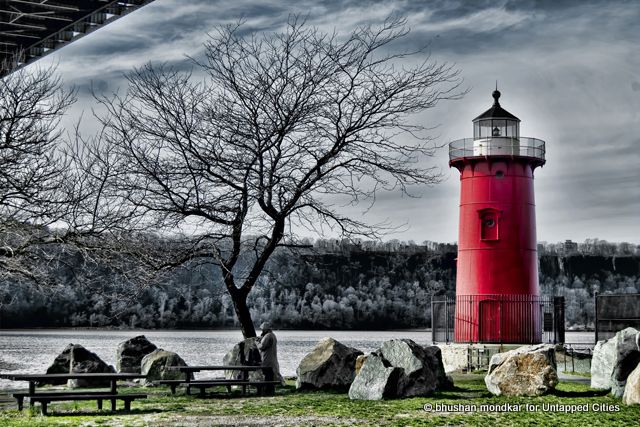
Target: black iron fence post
x,y
596,322
541,319
500,321
558,320
433,323
446,319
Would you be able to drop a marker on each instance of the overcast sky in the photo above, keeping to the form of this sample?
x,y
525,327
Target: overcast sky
x,y
568,69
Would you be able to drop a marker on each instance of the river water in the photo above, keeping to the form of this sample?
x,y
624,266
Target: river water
x,y
32,351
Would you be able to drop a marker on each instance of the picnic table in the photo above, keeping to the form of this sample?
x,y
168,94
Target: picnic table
x,y
202,385
50,396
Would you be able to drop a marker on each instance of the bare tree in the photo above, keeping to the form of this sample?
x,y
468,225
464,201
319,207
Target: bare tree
x,y
32,103
281,125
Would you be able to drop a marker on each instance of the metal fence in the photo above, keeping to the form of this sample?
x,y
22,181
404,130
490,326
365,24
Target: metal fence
x,y
442,320
570,358
480,319
575,358
497,146
615,312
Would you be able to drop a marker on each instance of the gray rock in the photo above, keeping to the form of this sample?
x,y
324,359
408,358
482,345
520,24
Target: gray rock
x,y
130,353
423,371
330,364
525,371
434,357
614,360
84,361
155,366
77,359
61,365
245,353
419,372
627,359
631,394
376,380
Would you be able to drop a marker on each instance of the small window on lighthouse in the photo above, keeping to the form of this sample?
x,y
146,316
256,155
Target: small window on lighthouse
x,y
489,224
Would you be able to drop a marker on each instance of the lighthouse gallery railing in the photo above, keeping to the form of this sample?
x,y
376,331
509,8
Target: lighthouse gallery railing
x,y
497,146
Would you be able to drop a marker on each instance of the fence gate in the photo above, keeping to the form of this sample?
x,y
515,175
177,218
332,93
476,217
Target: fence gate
x,y
442,318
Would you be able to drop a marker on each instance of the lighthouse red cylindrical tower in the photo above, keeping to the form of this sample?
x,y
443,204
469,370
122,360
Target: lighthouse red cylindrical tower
x,y
497,292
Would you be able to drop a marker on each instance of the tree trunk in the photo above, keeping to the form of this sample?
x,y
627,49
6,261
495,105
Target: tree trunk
x,y
242,311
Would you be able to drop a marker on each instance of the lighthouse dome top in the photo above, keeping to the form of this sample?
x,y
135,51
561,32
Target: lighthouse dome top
x,y
496,111
496,122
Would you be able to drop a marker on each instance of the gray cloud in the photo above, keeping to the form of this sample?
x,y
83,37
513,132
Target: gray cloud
x,y
568,69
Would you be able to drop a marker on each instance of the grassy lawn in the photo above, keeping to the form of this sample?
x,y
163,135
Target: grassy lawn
x,y
290,407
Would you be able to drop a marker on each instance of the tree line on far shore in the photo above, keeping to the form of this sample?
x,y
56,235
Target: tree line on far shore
x,y
179,206
328,285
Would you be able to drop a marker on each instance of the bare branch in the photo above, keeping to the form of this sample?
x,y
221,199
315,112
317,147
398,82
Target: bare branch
x,y
281,126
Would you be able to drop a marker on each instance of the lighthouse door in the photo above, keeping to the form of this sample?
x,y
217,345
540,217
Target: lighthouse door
x,y
490,323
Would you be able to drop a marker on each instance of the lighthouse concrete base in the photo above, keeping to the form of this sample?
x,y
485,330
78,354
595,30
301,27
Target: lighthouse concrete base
x,y
471,357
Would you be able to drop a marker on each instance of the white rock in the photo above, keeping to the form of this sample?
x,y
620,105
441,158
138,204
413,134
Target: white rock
x,y
525,371
614,359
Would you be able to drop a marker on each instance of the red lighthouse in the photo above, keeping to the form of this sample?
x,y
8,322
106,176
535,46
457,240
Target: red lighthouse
x,y
497,292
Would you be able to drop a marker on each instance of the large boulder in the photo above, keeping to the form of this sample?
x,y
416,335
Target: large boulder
x,y
156,364
400,368
631,394
130,353
330,364
525,371
433,357
614,359
84,361
376,380
61,365
423,371
244,353
77,359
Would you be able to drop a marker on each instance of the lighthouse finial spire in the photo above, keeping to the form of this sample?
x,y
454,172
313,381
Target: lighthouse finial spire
x,y
496,95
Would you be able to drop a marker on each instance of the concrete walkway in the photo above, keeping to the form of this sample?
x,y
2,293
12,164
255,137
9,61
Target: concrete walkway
x,y
574,378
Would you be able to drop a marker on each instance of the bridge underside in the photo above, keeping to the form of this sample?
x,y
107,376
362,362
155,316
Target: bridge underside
x,y
30,29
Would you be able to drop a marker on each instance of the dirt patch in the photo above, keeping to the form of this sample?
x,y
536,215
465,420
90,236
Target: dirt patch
x,y
251,421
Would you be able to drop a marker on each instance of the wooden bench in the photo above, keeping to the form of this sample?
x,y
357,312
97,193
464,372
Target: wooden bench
x,y
244,382
203,385
215,382
173,384
46,398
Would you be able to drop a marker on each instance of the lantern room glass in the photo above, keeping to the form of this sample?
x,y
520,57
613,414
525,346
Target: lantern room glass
x,y
491,128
